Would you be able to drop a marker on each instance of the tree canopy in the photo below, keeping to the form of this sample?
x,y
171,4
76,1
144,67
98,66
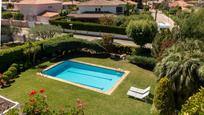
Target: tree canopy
x,y
193,26
142,31
45,31
183,65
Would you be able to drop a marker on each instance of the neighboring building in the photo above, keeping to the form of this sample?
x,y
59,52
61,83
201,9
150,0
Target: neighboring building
x,y
92,10
45,17
102,6
33,8
66,5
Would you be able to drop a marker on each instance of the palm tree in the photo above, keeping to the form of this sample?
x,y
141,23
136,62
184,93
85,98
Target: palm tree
x,y
182,65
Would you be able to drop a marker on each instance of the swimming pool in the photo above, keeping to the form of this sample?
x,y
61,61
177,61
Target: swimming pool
x,y
97,78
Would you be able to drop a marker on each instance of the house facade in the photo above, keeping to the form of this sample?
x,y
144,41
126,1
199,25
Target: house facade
x,y
33,8
102,6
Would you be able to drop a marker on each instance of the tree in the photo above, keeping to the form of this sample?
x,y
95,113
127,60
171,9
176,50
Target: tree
x,y
193,26
180,64
194,104
64,12
163,103
163,40
142,31
130,9
45,31
9,31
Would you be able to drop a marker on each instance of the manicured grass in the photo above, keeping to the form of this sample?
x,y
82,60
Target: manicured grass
x,y
61,94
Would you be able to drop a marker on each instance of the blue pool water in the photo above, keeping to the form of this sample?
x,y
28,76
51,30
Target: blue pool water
x,y
92,76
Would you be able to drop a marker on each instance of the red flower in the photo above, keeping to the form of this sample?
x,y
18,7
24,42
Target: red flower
x,y
33,92
42,90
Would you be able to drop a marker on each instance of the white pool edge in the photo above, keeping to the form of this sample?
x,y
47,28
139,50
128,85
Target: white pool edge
x,y
109,92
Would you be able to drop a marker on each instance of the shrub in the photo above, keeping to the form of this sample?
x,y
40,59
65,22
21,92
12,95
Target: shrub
x,y
107,20
142,31
9,74
163,102
142,52
194,104
146,62
13,70
18,16
88,26
7,15
5,78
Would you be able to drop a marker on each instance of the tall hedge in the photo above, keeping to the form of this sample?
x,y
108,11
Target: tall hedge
x,y
48,47
89,26
163,102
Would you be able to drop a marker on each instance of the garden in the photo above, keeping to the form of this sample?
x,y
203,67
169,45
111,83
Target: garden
x,y
173,67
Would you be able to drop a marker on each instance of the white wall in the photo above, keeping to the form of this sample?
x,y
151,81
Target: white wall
x,y
111,9
31,11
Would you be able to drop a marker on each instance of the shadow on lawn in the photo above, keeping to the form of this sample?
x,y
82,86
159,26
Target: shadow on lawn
x,y
148,100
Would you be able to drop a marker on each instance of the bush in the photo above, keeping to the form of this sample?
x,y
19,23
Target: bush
x,y
142,61
14,15
194,104
48,48
142,52
107,20
13,70
163,102
18,16
7,15
8,74
88,26
5,78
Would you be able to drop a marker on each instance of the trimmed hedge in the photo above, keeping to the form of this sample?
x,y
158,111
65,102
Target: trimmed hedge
x,y
142,61
48,48
14,15
88,26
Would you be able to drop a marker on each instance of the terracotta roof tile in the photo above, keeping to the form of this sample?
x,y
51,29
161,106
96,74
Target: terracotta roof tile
x,y
38,2
49,14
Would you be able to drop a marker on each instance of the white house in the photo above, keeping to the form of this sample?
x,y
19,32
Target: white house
x,y
33,8
102,6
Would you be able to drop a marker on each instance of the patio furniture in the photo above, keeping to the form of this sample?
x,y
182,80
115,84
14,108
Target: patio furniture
x,y
138,95
138,90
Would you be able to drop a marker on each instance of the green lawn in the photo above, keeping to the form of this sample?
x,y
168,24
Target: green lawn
x,y
61,94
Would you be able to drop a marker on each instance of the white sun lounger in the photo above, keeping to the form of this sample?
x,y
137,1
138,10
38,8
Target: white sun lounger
x,y
138,90
137,95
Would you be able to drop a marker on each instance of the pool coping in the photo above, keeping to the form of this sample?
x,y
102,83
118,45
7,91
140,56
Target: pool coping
x,y
109,92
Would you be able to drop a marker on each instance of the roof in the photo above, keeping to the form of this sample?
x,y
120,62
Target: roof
x,y
129,1
49,14
102,3
71,3
91,15
38,2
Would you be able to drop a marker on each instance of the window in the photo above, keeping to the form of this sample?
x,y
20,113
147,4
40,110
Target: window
x,y
97,9
49,7
119,9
